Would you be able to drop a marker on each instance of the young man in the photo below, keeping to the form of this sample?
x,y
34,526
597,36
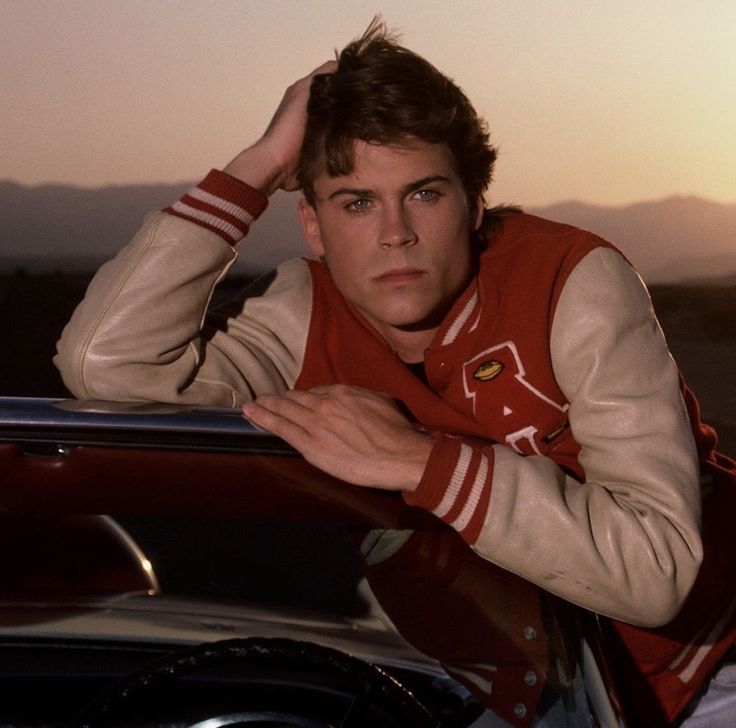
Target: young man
x,y
504,372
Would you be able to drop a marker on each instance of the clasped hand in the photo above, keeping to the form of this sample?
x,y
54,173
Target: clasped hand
x,y
351,433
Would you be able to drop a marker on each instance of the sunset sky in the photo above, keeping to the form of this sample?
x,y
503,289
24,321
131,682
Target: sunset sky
x,y
605,102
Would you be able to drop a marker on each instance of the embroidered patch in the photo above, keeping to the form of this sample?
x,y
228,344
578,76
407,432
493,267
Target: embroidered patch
x,y
488,370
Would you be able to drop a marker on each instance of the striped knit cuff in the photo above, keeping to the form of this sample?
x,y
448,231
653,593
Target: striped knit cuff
x,y
456,485
222,204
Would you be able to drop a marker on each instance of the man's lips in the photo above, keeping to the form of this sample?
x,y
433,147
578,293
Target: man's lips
x,y
397,276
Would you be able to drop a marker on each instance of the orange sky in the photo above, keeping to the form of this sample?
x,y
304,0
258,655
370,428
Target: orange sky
x,y
603,102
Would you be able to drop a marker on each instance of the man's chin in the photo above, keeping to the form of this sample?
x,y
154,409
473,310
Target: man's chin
x,y
425,324
416,321
405,319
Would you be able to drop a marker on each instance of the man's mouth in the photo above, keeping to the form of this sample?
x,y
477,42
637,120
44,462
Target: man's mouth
x,y
399,276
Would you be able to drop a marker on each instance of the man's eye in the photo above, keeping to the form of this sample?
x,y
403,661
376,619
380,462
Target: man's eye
x,y
427,195
359,205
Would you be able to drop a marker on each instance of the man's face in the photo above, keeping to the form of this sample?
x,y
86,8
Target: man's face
x,y
395,234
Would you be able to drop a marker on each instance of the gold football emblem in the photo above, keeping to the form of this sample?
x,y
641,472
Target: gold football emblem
x,y
488,370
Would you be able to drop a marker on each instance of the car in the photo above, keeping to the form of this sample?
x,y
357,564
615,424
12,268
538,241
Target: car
x,y
174,566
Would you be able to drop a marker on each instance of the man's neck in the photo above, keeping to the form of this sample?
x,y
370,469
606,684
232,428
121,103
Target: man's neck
x,y
409,346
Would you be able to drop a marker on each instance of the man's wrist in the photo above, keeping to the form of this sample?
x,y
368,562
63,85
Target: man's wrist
x,y
258,167
415,465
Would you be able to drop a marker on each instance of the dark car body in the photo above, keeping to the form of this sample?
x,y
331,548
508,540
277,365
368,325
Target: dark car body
x,y
167,566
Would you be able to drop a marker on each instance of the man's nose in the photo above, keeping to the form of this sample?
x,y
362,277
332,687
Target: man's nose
x,y
396,228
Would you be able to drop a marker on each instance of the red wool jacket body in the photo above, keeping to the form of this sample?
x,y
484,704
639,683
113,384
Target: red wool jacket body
x,y
490,378
563,450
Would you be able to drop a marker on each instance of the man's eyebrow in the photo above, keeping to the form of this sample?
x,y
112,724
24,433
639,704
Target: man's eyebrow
x,y
351,191
411,187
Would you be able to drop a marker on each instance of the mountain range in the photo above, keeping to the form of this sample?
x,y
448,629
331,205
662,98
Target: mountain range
x,y
67,229
673,240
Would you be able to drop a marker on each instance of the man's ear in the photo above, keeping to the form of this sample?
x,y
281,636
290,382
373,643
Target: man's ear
x,y
477,213
310,227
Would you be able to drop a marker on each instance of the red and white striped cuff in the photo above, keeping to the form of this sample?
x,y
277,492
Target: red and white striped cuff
x,y
456,485
222,204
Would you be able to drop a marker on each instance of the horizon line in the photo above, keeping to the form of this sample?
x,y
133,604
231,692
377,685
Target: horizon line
x,y
184,184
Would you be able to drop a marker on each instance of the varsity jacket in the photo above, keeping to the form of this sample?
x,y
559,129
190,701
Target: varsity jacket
x,y
563,446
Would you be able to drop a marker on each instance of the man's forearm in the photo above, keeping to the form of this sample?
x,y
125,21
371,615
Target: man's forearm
x,y
138,334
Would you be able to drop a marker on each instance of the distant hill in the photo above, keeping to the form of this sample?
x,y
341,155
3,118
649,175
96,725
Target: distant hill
x,y
67,224
673,240
56,227
60,228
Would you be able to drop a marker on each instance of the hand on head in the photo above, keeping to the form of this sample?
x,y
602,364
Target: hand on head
x,y
272,162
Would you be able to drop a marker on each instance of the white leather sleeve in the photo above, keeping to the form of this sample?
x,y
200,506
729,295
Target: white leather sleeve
x,y
141,332
626,542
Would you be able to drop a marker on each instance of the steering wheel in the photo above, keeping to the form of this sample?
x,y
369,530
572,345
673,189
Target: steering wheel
x,y
277,682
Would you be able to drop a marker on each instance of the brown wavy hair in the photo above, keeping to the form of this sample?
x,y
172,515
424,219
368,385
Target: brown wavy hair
x,y
383,93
